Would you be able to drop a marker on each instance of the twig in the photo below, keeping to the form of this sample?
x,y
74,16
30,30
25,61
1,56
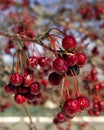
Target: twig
x,y
31,125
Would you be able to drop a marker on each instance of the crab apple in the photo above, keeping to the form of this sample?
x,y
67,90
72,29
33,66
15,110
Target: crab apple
x,y
44,62
60,65
32,62
96,87
71,59
35,88
16,79
55,78
60,117
69,43
84,102
9,88
28,79
101,85
19,98
82,59
71,106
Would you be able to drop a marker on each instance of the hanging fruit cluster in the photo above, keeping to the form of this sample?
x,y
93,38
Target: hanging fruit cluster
x,y
63,65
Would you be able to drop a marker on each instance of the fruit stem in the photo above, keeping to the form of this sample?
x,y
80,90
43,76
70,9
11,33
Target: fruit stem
x,y
31,125
66,85
53,40
17,63
75,82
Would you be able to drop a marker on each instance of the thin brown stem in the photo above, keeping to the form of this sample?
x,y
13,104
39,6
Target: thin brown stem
x,y
17,37
31,125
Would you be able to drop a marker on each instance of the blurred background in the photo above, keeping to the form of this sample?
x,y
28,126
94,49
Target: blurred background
x,y
83,19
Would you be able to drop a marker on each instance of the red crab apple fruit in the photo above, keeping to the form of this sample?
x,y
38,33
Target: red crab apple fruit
x,y
55,78
32,62
60,65
71,106
82,59
16,79
19,99
69,43
84,102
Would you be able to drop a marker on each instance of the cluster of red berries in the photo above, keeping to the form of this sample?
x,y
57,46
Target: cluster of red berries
x,y
23,85
95,89
92,11
71,107
68,63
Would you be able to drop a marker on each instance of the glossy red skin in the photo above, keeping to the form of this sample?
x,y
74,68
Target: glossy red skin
x,y
44,62
60,65
32,62
35,88
28,79
84,102
19,99
60,117
82,59
69,43
71,59
54,78
16,79
71,106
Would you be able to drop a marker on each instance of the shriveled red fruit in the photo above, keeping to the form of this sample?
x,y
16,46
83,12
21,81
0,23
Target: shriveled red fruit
x,y
55,78
69,43
71,59
16,79
28,79
82,59
44,62
71,106
19,99
32,62
84,102
60,65
35,88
